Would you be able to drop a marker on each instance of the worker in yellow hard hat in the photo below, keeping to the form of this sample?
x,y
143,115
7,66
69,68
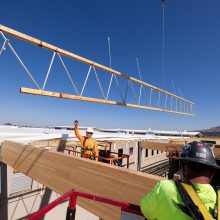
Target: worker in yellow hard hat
x,y
191,197
88,143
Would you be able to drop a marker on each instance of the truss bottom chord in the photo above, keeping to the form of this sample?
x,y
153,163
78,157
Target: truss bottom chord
x,y
90,99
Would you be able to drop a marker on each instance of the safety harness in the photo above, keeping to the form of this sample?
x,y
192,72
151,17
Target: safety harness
x,y
90,149
193,203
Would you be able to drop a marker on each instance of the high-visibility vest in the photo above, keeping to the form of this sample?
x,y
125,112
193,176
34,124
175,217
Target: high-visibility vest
x,y
193,203
84,149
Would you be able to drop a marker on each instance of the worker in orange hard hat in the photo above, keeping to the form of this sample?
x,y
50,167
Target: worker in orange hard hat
x,y
89,144
191,197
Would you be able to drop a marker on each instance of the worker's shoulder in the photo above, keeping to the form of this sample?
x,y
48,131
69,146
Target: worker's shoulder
x,y
166,184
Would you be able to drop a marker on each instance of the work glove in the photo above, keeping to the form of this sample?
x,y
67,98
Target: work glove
x,y
76,123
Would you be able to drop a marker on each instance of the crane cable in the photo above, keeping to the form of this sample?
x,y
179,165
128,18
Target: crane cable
x,y
163,43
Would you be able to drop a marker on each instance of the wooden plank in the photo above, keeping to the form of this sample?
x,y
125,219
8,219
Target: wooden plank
x,y
216,149
57,142
217,152
182,140
88,99
162,146
40,43
174,145
61,172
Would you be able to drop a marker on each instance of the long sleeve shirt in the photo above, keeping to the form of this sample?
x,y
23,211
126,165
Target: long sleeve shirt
x,y
88,142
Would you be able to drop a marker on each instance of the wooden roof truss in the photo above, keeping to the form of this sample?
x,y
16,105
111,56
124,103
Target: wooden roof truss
x,y
154,98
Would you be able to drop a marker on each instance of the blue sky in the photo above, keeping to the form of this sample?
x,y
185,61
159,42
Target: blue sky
x,y
192,55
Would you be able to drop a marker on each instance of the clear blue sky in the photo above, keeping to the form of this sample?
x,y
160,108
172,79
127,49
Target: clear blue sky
x,y
192,58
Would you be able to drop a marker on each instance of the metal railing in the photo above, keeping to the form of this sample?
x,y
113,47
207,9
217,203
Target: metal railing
x,y
109,158
72,196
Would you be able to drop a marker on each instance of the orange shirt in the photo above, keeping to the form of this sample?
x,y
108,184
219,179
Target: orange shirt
x,y
89,142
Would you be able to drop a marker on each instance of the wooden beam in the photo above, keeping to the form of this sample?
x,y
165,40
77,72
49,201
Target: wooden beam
x,y
88,99
175,145
182,140
217,153
153,145
40,43
61,172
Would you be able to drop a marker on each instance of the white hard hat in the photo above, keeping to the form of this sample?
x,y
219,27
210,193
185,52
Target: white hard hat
x,y
89,130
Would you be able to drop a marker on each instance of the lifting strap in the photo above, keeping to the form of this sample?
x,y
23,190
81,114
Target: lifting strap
x,y
192,201
92,145
218,202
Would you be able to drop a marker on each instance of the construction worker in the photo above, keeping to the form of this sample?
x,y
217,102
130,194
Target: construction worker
x,y
89,144
191,197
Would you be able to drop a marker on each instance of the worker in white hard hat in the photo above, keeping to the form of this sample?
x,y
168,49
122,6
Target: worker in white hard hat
x,y
88,143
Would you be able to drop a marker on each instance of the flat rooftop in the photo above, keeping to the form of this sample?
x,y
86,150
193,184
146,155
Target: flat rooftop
x,y
29,134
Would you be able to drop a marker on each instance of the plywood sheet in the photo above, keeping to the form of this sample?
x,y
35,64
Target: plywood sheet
x,y
61,172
